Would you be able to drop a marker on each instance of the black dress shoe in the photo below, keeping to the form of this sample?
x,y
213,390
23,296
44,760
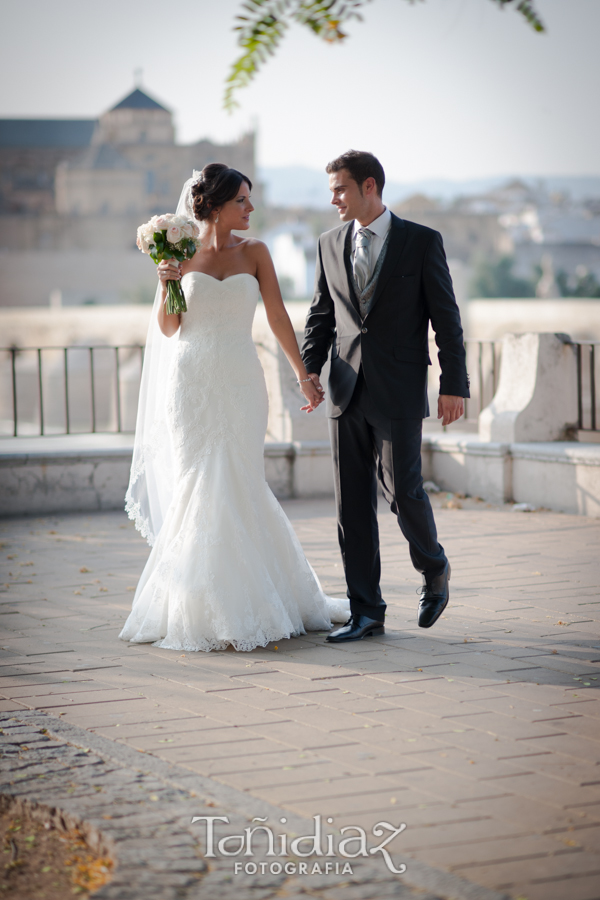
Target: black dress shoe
x,y
434,597
356,628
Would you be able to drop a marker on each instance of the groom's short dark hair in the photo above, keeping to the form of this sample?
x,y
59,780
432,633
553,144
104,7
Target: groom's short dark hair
x,y
361,165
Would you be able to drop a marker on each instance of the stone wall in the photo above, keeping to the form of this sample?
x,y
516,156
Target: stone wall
x,y
491,319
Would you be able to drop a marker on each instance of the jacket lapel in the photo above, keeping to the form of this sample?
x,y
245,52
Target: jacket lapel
x,y
394,251
347,252
343,250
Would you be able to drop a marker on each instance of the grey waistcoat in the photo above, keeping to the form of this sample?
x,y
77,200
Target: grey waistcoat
x,y
365,297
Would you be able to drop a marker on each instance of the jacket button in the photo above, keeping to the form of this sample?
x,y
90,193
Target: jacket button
x,y
364,330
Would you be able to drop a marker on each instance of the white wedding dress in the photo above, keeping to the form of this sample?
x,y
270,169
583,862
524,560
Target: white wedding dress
x,y
227,567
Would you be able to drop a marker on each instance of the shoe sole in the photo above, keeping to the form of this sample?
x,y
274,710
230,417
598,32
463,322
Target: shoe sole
x,y
375,632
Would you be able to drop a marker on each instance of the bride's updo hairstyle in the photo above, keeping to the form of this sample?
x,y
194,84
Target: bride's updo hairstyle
x,y
217,185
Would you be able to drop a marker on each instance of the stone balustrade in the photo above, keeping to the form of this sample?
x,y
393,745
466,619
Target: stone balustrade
x,y
520,454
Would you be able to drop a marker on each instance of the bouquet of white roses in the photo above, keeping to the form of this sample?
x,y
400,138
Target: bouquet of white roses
x,y
170,237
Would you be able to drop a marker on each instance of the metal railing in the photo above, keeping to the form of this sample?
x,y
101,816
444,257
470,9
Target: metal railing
x,y
69,390
94,389
587,386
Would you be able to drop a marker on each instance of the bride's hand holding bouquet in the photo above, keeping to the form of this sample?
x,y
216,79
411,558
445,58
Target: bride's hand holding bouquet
x,y
170,239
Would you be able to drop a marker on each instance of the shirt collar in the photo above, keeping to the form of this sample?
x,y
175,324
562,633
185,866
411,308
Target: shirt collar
x,y
379,226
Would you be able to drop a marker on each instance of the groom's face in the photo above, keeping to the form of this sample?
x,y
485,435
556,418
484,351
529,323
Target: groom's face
x,y
346,195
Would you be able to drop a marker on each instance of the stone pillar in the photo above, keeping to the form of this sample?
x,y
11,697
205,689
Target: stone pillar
x,y
536,398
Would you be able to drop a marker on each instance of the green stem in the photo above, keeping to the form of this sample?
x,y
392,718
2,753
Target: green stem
x,y
175,300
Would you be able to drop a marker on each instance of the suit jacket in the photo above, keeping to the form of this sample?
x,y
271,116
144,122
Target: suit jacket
x,y
414,288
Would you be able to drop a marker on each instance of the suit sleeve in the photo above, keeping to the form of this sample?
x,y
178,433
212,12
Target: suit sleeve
x,y
320,322
445,320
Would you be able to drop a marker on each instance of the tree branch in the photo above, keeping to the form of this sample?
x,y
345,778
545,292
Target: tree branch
x,y
263,23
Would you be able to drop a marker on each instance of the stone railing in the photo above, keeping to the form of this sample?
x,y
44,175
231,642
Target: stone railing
x,y
536,442
541,418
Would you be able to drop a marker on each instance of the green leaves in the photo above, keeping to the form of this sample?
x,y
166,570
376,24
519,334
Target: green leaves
x,y
163,249
527,10
263,23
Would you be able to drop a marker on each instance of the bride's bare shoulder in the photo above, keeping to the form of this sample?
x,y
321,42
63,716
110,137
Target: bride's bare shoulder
x,y
253,245
255,250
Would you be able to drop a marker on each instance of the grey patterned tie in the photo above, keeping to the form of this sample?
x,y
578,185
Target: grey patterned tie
x,y
361,265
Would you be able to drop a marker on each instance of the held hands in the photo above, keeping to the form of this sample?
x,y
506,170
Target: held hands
x,y
450,408
313,392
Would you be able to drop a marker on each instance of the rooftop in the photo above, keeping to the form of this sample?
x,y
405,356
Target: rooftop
x,y
139,100
46,132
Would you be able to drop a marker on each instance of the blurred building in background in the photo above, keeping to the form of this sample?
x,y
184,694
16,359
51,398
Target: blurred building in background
x,y
519,239
73,192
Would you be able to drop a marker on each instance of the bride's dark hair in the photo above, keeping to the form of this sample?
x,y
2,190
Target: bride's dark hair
x,y
217,184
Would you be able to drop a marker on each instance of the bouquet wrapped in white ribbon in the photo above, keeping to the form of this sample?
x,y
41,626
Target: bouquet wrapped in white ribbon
x,y
170,237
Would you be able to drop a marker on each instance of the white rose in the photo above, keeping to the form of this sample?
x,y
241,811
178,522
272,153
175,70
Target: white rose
x,y
161,222
173,234
187,230
142,241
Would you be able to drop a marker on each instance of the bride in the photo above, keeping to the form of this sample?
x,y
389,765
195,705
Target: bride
x,y
226,567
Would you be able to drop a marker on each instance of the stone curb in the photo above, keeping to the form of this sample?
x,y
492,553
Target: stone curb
x,y
142,807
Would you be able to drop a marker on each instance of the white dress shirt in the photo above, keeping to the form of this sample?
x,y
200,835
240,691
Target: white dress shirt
x,y
380,228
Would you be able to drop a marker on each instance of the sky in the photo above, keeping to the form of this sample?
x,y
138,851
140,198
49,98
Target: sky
x,y
436,89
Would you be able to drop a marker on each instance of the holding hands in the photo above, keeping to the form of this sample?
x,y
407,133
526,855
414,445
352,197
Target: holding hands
x,y
313,392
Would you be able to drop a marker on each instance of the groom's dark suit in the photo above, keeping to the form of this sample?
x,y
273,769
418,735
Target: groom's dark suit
x,y
377,394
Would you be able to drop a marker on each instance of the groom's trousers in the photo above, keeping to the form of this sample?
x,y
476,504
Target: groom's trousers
x,y
369,447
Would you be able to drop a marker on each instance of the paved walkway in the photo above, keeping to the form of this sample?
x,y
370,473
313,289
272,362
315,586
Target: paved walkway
x,y
482,735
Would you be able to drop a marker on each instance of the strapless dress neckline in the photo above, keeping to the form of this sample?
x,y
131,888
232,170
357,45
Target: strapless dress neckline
x,y
221,280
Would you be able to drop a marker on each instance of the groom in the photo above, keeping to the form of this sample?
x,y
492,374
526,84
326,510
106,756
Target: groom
x,y
380,280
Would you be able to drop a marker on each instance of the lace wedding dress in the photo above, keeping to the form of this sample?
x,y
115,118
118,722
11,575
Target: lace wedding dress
x,y
226,567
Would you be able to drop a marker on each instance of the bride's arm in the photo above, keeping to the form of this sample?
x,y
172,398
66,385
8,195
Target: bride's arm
x,y
168,270
280,323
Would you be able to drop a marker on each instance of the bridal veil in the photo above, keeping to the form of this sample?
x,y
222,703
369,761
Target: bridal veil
x,y
150,488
